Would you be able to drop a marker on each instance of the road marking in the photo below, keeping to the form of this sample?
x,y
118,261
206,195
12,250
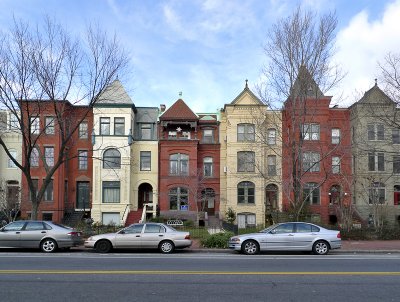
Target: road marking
x,y
138,272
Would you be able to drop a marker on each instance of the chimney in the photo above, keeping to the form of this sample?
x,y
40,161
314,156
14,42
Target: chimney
x,y
162,107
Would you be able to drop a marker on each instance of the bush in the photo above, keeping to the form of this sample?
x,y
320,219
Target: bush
x,y
386,233
219,240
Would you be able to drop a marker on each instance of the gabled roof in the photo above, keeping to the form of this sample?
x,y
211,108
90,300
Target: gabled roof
x,y
246,97
178,111
114,94
375,96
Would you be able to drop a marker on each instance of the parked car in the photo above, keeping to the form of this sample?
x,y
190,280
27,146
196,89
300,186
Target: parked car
x,y
288,236
46,235
141,235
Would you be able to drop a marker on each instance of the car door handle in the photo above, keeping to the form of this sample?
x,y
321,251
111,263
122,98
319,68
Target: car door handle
x,y
290,235
160,235
137,235
17,232
43,232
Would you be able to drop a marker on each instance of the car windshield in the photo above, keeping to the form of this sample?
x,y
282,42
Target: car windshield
x,y
268,228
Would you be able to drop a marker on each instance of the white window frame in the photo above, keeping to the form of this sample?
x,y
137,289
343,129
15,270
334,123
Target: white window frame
x,y
49,155
310,132
35,124
335,136
11,164
336,164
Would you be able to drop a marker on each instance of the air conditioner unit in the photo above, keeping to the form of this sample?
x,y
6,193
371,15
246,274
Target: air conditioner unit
x,y
225,169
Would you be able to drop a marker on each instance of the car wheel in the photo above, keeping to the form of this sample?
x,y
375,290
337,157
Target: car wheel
x,y
166,247
250,247
48,246
320,248
103,246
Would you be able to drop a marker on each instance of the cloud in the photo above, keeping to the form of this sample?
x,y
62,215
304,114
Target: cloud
x,y
361,44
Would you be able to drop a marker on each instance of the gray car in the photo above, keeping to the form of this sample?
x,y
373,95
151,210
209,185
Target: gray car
x,y
139,236
46,235
288,236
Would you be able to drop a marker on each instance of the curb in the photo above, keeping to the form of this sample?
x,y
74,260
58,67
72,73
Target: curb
x,y
332,252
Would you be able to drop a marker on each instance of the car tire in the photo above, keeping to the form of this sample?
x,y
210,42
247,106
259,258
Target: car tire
x,y
103,246
48,245
166,247
320,247
250,247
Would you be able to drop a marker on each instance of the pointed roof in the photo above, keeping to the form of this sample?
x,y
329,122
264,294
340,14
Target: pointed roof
x,y
179,111
375,96
246,97
114,94
305,85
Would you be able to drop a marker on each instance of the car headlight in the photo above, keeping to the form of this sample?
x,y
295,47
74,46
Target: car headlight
x,y
90,239
235,240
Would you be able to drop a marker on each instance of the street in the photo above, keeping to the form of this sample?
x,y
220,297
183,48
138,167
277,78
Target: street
x,y
183,276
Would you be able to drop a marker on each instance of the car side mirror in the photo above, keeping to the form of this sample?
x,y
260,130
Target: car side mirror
x,y
122,232
272,232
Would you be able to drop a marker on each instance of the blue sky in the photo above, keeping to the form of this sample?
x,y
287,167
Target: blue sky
x,y
207,48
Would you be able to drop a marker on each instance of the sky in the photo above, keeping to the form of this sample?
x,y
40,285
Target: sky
x,y
206,49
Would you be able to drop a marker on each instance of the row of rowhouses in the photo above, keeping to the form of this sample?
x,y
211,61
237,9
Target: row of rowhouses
x,y
334,164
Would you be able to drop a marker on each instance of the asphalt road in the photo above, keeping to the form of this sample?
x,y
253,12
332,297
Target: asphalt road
x,y
186,276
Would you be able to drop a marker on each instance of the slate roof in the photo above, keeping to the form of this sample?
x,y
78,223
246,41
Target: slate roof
x,y
375,95
114,93
179,111
305,85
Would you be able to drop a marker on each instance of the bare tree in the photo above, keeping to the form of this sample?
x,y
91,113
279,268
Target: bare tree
x,y
43,69
390,74
299,70
9,201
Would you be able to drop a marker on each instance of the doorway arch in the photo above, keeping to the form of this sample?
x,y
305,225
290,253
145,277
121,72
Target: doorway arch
x,y
145,194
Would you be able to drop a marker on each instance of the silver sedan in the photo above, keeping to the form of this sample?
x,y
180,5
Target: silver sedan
x,y
288,236
141,235
46,235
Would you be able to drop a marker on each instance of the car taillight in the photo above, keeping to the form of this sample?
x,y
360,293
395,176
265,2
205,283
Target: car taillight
x,y
187,237
338,235
74,234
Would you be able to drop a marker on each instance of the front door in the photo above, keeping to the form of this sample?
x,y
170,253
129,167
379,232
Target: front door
x,y
82,195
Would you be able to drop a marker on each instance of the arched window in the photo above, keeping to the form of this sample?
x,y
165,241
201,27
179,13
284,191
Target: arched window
x,y
178,199
111,159
246,192
271,198
178,164
208,166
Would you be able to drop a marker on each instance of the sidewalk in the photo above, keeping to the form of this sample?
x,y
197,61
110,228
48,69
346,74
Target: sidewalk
x,y
348,246
371,246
